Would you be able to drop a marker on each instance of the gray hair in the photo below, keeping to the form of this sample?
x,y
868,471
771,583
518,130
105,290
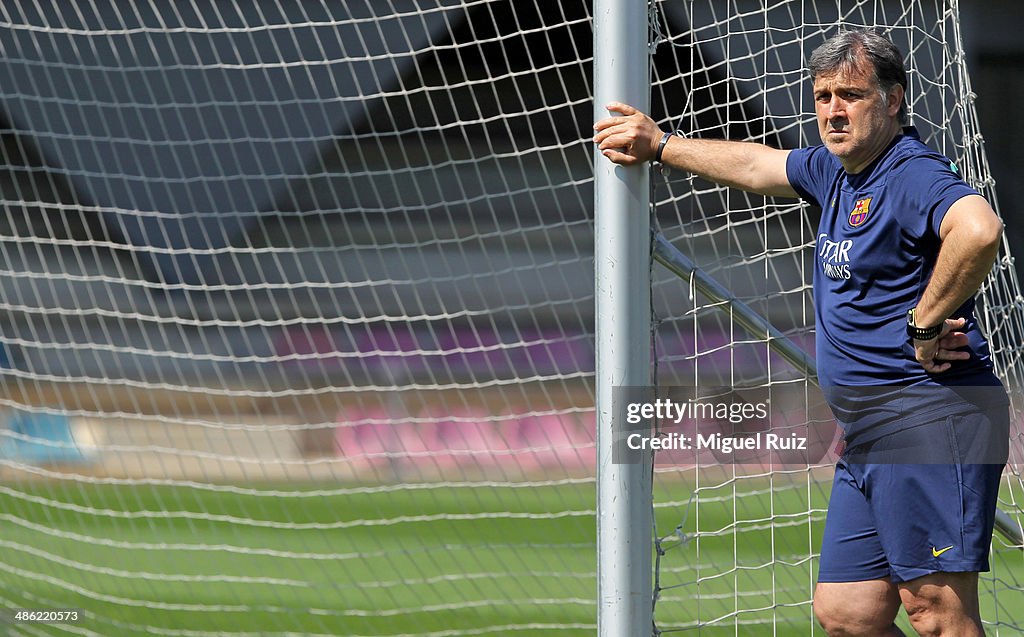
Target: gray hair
x,y
849,48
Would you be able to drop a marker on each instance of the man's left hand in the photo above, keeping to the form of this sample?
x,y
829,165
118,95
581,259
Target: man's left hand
x,y
936,355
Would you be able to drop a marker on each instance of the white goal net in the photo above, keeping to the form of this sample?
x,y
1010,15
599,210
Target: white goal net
x,y
737,542
296,313
296,317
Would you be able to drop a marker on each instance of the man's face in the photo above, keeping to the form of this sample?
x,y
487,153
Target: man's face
x,y
855,121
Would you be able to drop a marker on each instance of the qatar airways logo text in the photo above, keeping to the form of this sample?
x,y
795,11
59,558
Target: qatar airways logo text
x,y
834,257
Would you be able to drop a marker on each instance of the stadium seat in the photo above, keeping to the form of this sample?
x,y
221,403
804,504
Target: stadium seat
x,y
553,441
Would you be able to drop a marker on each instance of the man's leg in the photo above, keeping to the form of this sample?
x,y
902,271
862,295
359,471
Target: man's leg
x,y
858,609
855,595
943,604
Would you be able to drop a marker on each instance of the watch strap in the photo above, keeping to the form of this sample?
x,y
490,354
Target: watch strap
x,y
921,333
661,146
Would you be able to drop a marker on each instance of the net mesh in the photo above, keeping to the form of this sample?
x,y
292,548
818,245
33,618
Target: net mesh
x,y
297,313
737,543
297,317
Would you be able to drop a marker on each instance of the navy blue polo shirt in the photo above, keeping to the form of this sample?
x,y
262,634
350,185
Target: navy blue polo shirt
x,y
875,251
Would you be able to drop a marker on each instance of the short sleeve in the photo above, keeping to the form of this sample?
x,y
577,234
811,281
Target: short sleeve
x,y
811,172
933,184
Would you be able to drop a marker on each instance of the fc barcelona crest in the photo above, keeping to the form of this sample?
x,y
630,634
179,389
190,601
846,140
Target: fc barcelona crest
x,y
859,214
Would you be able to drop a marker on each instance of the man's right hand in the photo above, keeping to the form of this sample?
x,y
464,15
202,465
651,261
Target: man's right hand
x,y
633,138
628,139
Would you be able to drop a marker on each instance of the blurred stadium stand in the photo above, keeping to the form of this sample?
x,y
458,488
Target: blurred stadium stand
x,y
269,175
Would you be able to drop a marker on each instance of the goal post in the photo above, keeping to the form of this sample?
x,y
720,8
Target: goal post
x,y
622,262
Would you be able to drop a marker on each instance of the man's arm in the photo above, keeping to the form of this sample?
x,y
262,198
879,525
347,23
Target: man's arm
x,y
970,234
634,137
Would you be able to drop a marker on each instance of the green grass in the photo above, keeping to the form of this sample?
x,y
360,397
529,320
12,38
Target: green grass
x,y
327,563
391,562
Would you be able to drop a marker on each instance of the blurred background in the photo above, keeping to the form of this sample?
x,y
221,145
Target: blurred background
x,y
297,306
177,212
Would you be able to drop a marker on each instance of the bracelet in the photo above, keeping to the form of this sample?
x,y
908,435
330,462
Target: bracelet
x,y
661,146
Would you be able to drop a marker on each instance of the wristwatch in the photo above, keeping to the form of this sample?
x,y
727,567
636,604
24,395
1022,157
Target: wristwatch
x,y
921,333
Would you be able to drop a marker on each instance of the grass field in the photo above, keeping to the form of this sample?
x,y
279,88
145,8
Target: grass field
x,y
483,560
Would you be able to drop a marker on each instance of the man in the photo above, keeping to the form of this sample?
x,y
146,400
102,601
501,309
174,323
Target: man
x,y
903,245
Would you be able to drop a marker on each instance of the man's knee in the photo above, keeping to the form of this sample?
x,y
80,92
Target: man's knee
x,y
926,615
943,604
857,609
836,620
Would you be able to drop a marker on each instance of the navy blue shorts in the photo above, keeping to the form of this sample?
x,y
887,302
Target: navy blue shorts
x,y
903,521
